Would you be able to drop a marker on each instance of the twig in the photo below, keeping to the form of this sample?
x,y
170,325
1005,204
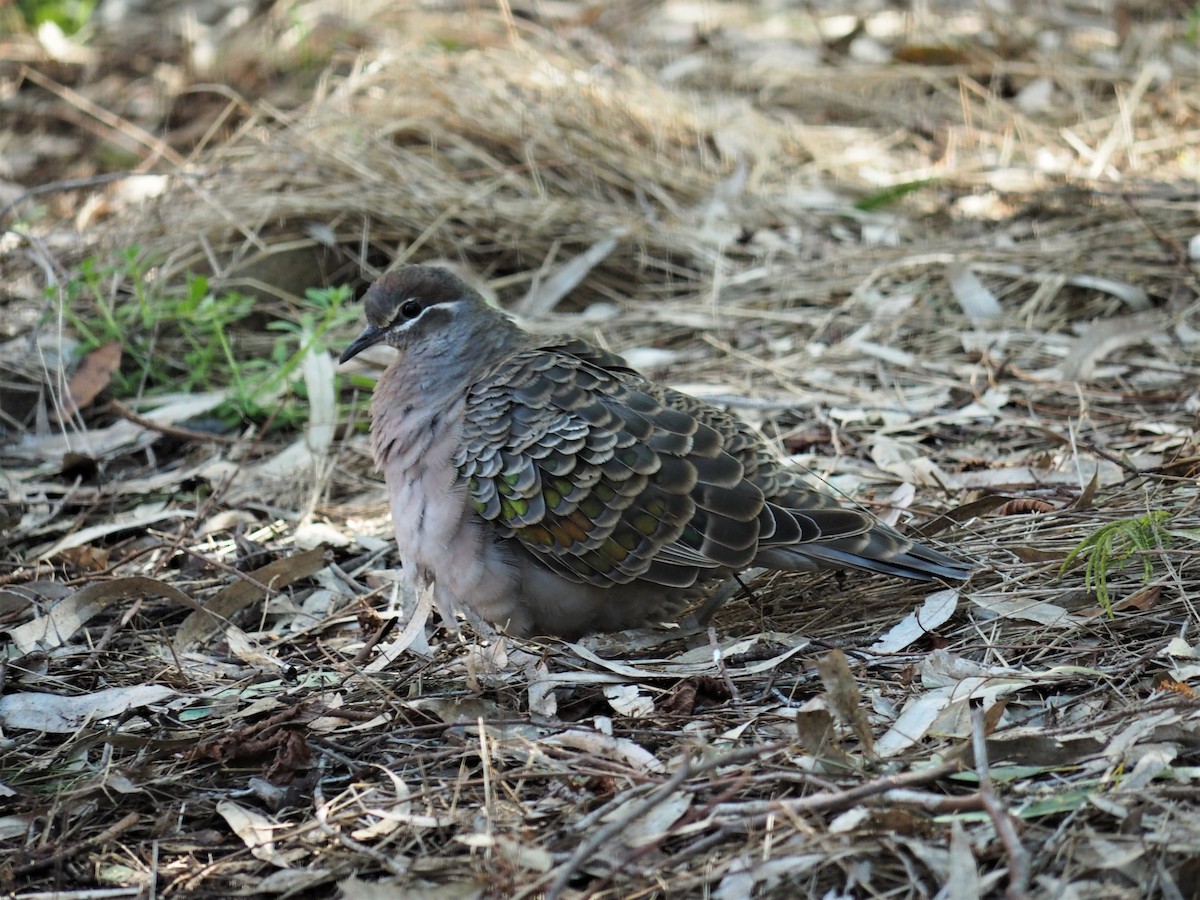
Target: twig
x,y
734,786
65,184
635,811
26,573
183,434
107,836
614,827
92,659
830,800
217,564
115,122
719,660
1018,856
369,645
934,803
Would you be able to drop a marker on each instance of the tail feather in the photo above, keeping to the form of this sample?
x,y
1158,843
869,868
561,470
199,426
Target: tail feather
x,y
881,549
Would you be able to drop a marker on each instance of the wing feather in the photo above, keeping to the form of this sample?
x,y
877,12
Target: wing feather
x,y
569,454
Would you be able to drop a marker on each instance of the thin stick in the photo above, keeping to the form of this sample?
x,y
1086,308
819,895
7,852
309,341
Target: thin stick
x,y
1018,856
115,122
635,811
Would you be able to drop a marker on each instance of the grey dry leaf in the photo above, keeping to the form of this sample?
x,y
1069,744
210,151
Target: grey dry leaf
x,y
746,872
817,731
1028,608
12,826
402,888
523,856
542,699
256,832
620,750
652,827
99,443
544,295
699,662
139,517
1104,338
66,616
962,882
209,620
815,726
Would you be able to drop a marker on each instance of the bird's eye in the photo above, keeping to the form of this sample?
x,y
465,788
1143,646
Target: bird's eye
x,y
410,309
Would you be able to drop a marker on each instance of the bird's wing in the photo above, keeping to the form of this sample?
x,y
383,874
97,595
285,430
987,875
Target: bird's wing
x,y
565,450
822,517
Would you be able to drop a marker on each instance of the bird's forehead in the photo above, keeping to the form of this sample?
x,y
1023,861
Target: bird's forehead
x,y
429,286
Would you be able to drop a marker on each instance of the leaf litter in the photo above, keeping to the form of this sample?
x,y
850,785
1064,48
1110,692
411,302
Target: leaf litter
x,y
943,269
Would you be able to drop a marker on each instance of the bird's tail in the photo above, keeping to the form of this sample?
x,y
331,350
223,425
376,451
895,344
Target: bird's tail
x,y
877,549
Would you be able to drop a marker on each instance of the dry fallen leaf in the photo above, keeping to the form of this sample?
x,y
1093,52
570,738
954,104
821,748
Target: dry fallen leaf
x,y
87,558
92,376
844,696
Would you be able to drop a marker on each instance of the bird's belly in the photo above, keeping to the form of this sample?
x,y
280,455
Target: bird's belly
x,y
440,540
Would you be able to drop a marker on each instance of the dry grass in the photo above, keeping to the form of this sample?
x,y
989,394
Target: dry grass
x,y
769,215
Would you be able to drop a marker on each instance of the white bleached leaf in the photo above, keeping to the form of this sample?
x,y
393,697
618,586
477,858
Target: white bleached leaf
x,y
934,612
627,700
848,821
309,535
977,302
1025,609
919,713
412,636
318,366
620,749
651,357
62,714
1177,646
1036,96
1102,339
1131,295
544,295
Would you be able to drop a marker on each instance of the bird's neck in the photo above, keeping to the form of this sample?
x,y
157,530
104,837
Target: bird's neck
x,y
417,393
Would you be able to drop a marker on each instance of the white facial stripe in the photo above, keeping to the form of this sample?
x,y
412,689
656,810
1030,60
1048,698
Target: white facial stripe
x,y
400,323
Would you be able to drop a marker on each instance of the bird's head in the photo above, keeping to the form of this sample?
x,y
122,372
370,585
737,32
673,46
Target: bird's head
x,y
424,307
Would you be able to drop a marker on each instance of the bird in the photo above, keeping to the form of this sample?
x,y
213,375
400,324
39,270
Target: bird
x,y
542,485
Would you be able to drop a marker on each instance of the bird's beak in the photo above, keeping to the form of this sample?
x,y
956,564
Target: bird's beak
x,y
372,334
